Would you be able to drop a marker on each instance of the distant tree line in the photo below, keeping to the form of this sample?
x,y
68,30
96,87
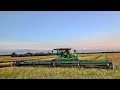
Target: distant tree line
x,y
31,54
46,54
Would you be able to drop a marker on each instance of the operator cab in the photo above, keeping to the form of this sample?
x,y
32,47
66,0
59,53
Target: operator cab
x,y
64,52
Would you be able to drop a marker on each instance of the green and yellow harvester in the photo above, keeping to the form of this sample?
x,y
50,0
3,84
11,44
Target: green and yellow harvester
x,y
66,59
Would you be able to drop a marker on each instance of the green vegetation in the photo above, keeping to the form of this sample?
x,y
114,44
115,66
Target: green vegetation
x,y
39,72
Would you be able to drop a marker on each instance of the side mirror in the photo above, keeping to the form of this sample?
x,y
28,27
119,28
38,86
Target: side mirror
x,y
52,51
75,51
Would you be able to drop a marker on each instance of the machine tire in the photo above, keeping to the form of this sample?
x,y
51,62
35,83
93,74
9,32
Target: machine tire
x,y
53,63
76,59
110,64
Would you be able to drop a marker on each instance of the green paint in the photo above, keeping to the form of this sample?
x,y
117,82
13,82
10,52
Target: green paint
x,y
65,58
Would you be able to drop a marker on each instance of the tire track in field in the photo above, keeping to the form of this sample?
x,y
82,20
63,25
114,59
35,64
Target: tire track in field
x,y
2,65
98,57
102,57
92,57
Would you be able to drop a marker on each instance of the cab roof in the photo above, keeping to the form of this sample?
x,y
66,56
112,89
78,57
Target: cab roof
x,y
63,48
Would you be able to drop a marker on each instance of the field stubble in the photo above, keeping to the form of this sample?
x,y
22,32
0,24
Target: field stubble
x,y
40,72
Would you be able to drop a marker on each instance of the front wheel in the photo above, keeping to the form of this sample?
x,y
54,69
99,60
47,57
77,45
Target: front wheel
x,y
76,59
110,65
53,63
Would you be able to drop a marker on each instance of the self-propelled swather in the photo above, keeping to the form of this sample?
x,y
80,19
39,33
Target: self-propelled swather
x,y
66,59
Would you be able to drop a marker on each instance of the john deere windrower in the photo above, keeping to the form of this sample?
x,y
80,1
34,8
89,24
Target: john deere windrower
x,y
66,59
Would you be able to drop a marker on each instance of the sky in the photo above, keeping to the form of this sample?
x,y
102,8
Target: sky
x,y
53,29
